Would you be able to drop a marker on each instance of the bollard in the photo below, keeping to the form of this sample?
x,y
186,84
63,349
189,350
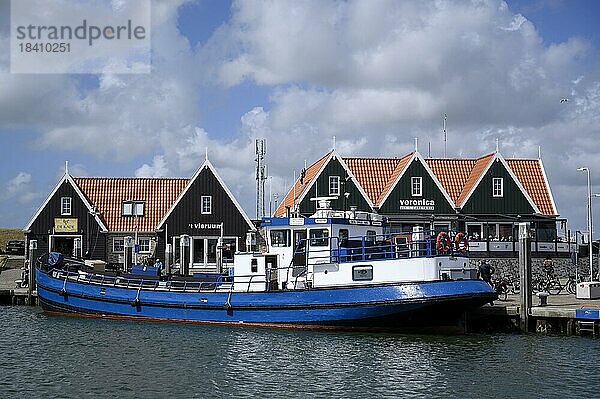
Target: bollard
x,y
543,296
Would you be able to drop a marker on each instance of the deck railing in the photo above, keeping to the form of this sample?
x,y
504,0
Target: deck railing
x,y
376,247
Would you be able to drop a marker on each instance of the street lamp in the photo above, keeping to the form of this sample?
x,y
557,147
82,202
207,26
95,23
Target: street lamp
x,y
589,214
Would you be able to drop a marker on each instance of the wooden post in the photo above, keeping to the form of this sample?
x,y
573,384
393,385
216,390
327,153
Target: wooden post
x,y
525,274
31,271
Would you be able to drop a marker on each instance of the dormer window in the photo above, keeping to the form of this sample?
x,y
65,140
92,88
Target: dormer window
x,y
133,208
334,185
497,187
65,206
416,184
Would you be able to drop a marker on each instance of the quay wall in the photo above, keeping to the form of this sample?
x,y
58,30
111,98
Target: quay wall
x,y
563,267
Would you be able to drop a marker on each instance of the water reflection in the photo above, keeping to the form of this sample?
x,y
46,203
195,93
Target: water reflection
x,y
75,357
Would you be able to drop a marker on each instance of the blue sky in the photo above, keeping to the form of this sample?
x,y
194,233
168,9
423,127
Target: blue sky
x,y
375,74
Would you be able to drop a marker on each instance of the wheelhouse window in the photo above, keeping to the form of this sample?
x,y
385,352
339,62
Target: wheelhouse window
x,y
497,187
319,237
206,202
334,185
65,206
144,244
416,184
133,208
280,238
371,236
118,245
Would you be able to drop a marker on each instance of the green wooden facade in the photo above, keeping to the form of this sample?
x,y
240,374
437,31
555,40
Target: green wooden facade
x,y
513,201
320,188
396,203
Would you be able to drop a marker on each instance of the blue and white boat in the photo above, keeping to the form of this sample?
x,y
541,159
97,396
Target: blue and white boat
x,y
335,269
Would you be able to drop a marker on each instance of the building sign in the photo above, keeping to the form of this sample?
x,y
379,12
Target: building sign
x,y
416,205
65,225
205,226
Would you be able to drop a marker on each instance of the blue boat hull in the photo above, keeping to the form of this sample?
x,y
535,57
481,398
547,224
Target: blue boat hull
x,y
391,305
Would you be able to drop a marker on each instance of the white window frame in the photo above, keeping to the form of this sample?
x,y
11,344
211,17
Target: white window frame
x,y
204,211
66,201
334,185
140,239
135,208
416,182
498,190
115,239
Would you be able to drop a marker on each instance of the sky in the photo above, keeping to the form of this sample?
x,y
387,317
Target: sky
x,y
375,74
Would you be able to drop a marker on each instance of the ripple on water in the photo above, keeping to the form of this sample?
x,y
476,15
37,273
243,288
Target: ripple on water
x,y
79,357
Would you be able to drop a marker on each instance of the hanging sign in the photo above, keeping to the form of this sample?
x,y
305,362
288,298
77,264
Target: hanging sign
x,y
65,225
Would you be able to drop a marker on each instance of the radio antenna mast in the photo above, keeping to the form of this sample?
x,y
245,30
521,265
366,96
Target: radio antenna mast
x,y
445,134
261,149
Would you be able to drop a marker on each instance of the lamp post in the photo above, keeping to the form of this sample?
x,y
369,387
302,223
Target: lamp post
x,y
589,214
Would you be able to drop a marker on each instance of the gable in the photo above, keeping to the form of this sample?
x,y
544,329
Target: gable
x,y
400,199
43,221
532,177
186,217
301,184
320,188
482,201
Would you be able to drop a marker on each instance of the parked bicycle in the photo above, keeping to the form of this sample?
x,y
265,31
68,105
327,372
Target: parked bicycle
x,y
506,285
553,286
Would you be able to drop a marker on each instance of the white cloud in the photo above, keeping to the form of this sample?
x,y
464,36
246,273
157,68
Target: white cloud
x,y
373,73
157,169
21,188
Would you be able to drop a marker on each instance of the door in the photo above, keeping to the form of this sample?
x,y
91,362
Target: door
x,y
299,251
64,245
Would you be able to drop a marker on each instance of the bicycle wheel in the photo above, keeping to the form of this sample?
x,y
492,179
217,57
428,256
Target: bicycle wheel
x,y
571,287
554,287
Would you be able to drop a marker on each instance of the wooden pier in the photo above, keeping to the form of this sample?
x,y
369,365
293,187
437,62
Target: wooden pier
x,y
10,293
563,314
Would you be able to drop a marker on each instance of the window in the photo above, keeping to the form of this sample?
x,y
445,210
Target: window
x,y
206,203
475,232
280,238
416,184
334,185
144,244
133,208
118,245
319,237
65,206
498,187
362,273
230,245
371,236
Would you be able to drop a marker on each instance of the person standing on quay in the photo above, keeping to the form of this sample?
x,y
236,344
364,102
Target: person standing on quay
x,y
486,271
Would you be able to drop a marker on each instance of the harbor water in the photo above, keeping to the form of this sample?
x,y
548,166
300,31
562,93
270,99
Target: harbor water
x,y
53,356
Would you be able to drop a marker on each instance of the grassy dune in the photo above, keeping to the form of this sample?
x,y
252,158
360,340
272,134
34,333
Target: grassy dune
x,y
9,234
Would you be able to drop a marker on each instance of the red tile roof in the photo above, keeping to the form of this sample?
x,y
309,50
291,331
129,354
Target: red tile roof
x,y
457,177
530,174
108,195
399,167
300,185
479,167
373,174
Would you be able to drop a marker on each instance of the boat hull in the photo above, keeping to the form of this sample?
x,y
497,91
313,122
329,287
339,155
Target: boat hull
x,y
400,305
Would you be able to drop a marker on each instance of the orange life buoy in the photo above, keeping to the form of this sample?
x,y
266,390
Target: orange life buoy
x,y
443,242
461,244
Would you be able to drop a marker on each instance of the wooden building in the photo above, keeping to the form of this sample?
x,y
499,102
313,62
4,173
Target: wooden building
x,y
130,220
485,197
